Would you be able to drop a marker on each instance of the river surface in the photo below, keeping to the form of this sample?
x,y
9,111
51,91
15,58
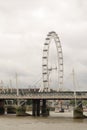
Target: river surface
x,y
56,121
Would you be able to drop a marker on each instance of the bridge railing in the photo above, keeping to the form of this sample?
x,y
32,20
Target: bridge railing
x,y
48,95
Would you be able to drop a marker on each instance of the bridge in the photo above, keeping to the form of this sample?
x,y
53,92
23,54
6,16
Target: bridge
x,y
38,97
61,95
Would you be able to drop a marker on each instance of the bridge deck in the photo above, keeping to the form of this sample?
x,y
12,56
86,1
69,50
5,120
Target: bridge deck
x,y
46,95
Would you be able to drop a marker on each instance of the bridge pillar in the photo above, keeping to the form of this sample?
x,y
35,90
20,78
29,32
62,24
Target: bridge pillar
x,y
78,110
36,107
2,108
21,111
45,111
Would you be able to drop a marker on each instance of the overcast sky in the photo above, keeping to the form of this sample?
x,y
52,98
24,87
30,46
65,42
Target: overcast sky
x,y
24,25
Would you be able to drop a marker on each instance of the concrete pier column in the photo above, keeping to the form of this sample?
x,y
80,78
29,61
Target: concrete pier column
x,y
38,107
2,108
43,107
34,107
20,111
78,110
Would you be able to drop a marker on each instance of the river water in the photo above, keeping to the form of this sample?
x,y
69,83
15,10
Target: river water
x,y
56,121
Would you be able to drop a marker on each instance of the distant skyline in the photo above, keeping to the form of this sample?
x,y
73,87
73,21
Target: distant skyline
x,y
24,25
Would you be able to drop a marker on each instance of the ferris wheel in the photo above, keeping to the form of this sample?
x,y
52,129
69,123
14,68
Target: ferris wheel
x,y
45,67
